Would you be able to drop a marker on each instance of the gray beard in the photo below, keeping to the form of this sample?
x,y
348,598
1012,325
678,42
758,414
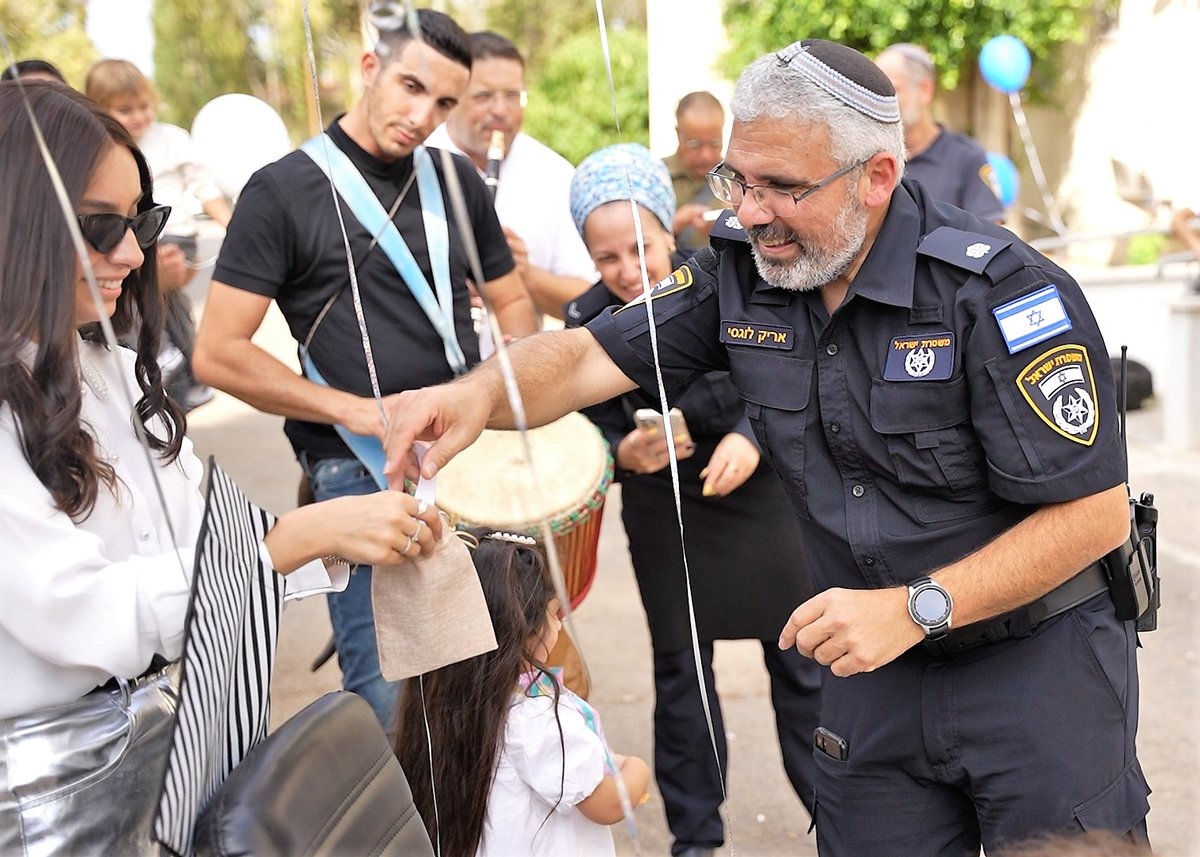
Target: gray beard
x,y
812,269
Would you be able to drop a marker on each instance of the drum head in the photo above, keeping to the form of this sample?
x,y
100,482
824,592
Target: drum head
x,y
488,484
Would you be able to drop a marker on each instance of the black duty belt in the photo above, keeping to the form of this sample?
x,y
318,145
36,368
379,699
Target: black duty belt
x,y
1020,622
157,664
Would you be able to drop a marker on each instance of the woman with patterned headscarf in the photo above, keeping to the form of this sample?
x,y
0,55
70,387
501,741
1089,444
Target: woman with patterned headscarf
x,y
743,550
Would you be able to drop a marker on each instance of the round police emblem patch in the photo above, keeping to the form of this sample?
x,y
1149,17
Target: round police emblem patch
x,y
919,362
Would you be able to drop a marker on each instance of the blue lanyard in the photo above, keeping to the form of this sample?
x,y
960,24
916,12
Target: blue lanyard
x,y
370,213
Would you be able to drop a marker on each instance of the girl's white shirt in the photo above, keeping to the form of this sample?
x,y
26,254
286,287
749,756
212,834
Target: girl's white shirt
x,y
83,601
522,819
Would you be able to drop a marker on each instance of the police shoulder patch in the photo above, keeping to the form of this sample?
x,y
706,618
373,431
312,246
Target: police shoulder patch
x,y
1059,386
680,279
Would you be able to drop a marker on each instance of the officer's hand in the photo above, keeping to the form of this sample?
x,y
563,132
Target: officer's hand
x,y
852,630
645,451
732,463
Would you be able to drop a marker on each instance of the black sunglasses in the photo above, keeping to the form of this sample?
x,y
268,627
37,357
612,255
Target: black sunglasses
x,y
104,231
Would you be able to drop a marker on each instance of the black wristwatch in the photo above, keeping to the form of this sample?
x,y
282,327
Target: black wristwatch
x,y
929,605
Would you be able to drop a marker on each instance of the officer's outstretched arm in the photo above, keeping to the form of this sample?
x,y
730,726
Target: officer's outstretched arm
x,y
556,372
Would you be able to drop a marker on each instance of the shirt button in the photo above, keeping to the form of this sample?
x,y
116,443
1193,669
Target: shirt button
x,y
869,560
858,490
831,349
144,535
835,427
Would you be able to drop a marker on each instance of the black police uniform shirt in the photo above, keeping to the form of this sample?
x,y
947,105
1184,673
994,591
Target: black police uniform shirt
x,y
955,169
962,384
284,242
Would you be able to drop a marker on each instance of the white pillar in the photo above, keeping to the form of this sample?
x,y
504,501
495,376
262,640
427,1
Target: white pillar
x,y
1181,387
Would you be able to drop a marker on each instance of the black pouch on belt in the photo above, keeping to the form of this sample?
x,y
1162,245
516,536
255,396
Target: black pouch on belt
x,y
1131,577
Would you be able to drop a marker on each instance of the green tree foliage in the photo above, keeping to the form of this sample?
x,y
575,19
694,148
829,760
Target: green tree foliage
x,y
201,50
953,31
537,27
51,30
205,49
570,108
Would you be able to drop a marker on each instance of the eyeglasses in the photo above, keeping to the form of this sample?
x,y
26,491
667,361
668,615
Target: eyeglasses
x,y
105,230
508,97
782,202
714,143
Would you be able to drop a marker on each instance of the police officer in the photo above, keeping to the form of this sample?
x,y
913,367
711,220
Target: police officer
x,y
938,400
952,166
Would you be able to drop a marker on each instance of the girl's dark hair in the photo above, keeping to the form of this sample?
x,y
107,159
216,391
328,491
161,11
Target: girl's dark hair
x,y
467,703
38,279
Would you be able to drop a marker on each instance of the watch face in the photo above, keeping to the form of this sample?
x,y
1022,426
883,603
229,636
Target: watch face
x,y
930,606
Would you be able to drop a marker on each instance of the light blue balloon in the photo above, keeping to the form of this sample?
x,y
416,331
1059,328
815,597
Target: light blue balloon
x,y
1006,180
1005,63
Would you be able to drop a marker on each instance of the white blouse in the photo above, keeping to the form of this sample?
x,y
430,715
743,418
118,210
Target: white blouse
x,y
533,776
82,602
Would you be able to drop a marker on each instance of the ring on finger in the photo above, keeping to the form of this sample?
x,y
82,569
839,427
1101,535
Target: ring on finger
x,y
408,544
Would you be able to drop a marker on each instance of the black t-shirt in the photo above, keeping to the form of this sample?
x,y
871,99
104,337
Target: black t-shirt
x,y
961,384
284,242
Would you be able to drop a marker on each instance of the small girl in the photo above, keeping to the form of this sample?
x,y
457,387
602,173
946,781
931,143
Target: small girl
x,y
518,760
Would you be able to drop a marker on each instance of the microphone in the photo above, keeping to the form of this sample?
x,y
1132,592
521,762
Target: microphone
x,y
495,154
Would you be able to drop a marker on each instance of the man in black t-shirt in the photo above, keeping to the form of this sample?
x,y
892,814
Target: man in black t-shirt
x,y
953,167
285,244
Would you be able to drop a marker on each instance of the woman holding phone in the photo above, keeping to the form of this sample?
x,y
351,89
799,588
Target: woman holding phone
x,y
744,557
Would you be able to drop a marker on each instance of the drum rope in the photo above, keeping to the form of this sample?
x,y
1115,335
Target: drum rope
x,y
672,457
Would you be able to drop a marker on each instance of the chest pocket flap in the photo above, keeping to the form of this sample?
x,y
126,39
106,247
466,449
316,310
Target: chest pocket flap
x,y
914,407
771,380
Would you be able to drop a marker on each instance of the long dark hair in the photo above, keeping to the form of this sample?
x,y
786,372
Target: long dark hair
x,y
37,294
467,703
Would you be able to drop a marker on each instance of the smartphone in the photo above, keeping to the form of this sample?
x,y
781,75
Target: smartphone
x,y
833,746
651,420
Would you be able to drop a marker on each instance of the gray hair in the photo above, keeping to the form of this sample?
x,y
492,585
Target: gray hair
x,y
917,61
769,89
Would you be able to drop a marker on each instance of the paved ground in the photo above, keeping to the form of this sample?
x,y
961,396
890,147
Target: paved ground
x,y
764,817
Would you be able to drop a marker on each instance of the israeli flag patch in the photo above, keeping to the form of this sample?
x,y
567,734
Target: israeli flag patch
x,y
1032,319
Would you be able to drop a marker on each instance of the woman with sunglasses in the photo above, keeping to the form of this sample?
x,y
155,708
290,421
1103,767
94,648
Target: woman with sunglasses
x,y
93,585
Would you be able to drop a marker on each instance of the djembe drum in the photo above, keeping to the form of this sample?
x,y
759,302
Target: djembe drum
x,y
489,485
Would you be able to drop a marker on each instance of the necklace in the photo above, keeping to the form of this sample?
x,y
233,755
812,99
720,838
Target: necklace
x,y
93,378
395,207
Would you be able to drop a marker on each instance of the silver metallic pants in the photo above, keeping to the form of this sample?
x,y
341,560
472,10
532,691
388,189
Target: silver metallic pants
x,y
84,777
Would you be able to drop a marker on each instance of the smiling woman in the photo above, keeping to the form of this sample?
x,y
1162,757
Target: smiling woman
x,y
98,538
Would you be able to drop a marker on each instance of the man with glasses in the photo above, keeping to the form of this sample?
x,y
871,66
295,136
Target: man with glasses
x,y
953,167
700,127
533,182
939,402
285,243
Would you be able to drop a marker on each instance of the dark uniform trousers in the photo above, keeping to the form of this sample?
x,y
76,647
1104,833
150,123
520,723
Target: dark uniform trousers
x,y
962,384
684,767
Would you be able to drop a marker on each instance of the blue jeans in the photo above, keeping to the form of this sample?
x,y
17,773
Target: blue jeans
x,y
350,611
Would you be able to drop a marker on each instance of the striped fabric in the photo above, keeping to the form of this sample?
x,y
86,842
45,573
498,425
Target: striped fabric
x,y
228,655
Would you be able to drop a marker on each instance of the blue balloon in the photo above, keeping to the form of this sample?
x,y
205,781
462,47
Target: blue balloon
x,y
1006,181
1004,62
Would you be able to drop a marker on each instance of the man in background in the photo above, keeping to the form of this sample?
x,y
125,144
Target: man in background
x,y
700,127
533,182
953,167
